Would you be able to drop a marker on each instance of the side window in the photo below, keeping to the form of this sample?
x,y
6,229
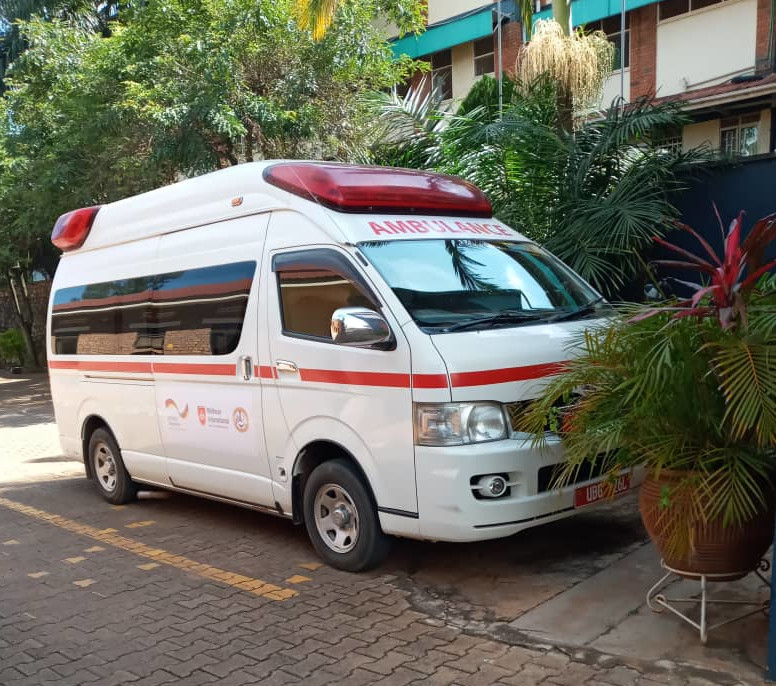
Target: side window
x,y
200,311
312,284
192,312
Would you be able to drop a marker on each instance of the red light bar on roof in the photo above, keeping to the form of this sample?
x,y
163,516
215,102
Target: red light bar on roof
x,y
350,188
72,228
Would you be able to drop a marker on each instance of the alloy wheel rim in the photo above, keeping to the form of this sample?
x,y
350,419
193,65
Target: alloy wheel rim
x,y
105,467
336,518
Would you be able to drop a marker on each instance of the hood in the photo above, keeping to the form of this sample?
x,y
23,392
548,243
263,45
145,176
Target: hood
x,y
508,364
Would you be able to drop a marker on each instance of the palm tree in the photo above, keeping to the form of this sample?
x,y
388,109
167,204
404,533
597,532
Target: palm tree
x,y
595,197
316,15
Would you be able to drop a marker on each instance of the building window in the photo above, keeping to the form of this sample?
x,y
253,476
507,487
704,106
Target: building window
x,y
611,27
738,135
484,62
442,73
670,144
673,8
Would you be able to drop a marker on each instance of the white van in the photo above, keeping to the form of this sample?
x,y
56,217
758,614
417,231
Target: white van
x,y
345,346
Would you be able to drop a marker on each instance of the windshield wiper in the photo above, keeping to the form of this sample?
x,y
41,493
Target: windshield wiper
x,y
587,308
507,317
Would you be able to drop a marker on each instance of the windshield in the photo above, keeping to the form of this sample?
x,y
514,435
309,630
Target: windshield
x,y
449,285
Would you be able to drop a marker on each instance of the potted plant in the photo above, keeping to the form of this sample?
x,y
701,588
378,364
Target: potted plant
x,y
686,390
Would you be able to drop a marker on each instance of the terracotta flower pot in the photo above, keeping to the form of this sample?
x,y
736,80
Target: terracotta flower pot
x,y
728,552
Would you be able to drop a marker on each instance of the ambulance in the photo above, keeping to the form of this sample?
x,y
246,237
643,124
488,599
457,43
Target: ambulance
x,y
345,346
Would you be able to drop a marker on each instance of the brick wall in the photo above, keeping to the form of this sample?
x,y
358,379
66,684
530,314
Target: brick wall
x,y
763,61
39,296
643,31
511,42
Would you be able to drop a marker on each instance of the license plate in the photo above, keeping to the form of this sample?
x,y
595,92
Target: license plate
x,y
601,490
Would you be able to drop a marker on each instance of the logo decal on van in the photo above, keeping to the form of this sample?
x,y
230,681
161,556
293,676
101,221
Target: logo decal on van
x,y
202,415
170,403
240,419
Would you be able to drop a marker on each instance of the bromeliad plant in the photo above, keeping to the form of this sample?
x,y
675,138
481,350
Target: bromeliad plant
x,y
686,389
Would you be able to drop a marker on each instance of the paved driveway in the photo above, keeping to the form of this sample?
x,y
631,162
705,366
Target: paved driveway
x,y
173,589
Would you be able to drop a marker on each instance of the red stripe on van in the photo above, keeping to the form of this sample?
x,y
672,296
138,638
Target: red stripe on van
x,y
265,372
384,379
429,380
95,366
506,375
186,368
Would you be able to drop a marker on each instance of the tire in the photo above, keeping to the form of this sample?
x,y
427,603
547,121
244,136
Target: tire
x,y
107,469
341,518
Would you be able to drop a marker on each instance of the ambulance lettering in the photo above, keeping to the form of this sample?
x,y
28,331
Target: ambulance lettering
x,y
437,226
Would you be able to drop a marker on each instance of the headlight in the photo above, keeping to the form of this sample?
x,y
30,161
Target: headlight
x,y
458,423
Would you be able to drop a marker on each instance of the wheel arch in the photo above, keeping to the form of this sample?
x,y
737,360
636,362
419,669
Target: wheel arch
x,y
90,424
311,456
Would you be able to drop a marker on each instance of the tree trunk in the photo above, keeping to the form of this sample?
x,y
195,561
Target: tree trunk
x,y
249,128
561,12
565,106
24,315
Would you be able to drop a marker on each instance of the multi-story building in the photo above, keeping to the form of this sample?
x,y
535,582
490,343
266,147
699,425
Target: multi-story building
x,y
715,56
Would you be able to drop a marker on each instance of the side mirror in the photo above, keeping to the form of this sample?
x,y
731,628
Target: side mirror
x,y
359,327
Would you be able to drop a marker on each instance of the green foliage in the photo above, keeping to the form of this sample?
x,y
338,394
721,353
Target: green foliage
x,y
179,87
484,94
12,347
681,394
318,15
596,197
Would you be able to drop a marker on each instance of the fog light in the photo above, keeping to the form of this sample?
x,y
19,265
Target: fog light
x,y
492,486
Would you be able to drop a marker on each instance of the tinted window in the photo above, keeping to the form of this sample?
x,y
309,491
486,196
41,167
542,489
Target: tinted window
x,y
314,283
192,312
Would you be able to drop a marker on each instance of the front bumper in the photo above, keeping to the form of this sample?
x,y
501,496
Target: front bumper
x,y
448,509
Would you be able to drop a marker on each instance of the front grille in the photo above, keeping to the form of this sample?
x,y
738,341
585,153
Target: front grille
x,y
516,409
513,412
585,472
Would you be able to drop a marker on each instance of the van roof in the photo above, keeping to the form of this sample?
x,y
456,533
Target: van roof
x,y
317,189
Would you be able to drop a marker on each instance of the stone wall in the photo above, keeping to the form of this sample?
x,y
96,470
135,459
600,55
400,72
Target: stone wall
x,y
39,295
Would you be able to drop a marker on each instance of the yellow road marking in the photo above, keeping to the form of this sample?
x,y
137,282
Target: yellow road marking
x,y
138,525
94,549
74,560
312,566
148,565
83,583
110,537
297,579
118,507
13,541
37,575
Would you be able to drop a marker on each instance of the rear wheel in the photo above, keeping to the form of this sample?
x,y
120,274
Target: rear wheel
x,y
341,519
108,471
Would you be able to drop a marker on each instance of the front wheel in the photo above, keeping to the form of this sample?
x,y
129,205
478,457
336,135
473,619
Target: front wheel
x,y
341,519
108,471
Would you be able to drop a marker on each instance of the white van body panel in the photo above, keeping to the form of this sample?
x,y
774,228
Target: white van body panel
x,y
482,364
210,456
118,393
338,393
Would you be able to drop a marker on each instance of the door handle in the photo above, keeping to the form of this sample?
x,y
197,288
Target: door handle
x,y
286,366
246,364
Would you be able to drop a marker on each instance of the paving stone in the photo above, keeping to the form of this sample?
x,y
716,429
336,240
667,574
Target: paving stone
x,y
308,665
401,676
576,673
381,647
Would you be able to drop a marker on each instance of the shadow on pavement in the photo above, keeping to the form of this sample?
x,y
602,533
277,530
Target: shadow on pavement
x,y
25,400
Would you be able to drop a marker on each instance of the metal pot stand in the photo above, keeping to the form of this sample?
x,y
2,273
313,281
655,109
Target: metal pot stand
x,y
657,601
